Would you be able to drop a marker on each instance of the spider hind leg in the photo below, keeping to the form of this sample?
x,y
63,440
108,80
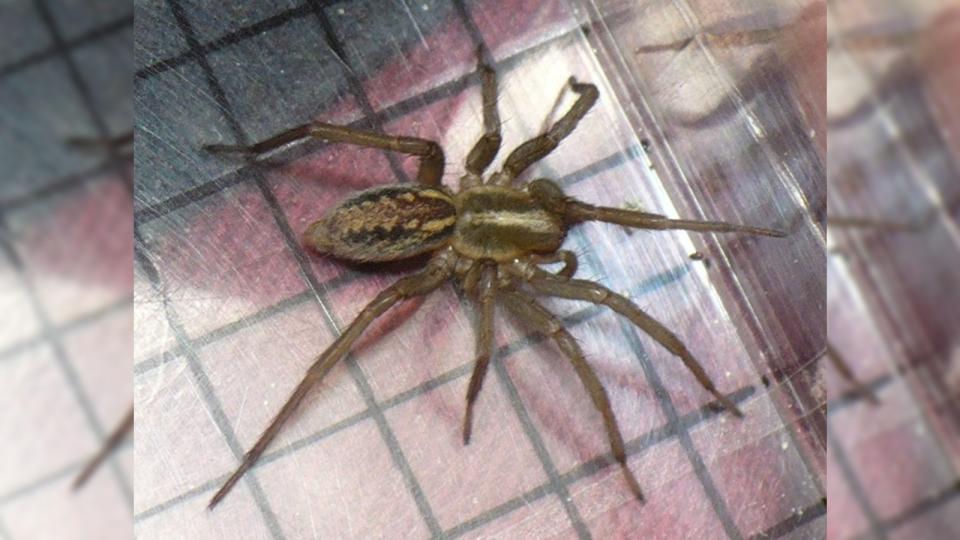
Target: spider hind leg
x,y
588,291
423,282
485,293
539,318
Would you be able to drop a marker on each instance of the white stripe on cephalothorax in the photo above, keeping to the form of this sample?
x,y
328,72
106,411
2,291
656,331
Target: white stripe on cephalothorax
x,y
535,221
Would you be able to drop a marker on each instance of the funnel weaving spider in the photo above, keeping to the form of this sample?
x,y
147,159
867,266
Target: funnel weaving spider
x,y
490,237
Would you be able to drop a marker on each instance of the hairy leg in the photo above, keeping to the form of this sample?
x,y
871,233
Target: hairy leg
x,y
417,284
487,147
568,258
540,146
549,194
844,369
430,153
486,292
531,312
588,291
113,441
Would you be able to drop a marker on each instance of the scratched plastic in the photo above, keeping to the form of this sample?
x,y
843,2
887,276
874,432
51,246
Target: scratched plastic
x,y
894,287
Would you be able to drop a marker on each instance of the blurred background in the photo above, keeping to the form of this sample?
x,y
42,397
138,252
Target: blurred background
x,y
894,287
66,290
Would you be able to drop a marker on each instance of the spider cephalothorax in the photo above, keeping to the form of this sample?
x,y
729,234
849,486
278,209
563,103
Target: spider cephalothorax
x,y
491,237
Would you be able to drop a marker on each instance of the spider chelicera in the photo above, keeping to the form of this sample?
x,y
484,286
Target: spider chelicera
x,y
490,237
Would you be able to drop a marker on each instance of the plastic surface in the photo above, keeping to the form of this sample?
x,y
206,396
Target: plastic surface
x,y
894,289
230,308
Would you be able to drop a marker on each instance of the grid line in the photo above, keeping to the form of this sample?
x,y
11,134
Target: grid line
x,y
203,382
540,449
79,322
369,118
794,522
882,304
60,46
51,333
63,184
750,320
48,478
200,377
925,505
232,38
632,447
59,352
854,485
755,328
63,51
86,38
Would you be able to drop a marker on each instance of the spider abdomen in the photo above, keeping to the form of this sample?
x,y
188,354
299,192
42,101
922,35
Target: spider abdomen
x,y
385,224
501,224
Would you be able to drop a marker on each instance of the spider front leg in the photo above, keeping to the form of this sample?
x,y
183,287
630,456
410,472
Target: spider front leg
x,y
487,147
415,285
540,146
531,312
485,292
430,153
553,198
588,291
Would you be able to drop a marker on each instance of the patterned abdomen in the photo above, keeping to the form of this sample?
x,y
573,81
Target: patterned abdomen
x,y
385,224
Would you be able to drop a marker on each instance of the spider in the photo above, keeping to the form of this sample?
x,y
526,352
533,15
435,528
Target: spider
x,y
490,237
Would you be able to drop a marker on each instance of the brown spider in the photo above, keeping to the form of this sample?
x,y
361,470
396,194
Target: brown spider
x,y
490,237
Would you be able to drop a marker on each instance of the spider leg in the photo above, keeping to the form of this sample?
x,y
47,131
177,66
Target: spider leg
x,y
98,144
414,285
567,257
576,211
486,292
487,147
540,146
844,369
588,291
852,222
430,153
530,311
112,442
